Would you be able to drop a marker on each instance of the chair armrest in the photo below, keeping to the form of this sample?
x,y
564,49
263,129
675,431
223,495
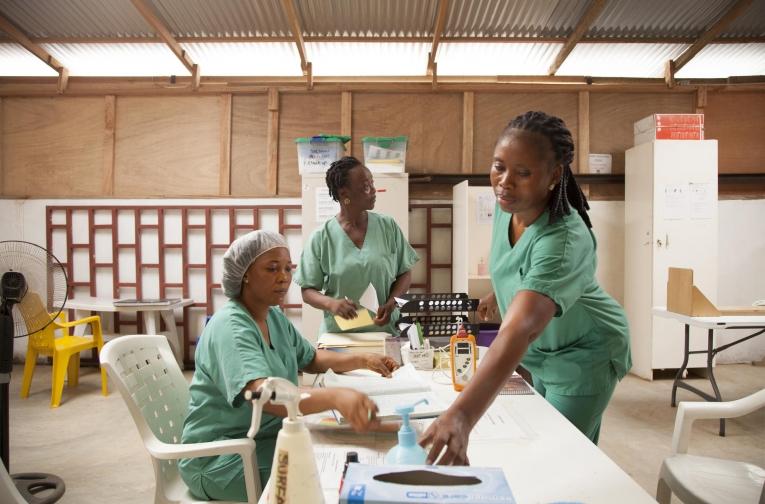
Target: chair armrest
x,y
87,320
166,451
689,412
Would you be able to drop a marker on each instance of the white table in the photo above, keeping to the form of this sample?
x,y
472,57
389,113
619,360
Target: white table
x,y
544,457
753,322
84,306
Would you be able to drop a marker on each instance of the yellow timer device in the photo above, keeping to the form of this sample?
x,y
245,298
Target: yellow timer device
x,y
464,358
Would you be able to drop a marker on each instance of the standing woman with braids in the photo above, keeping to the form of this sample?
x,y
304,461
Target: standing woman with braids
x,y
355,248
556,319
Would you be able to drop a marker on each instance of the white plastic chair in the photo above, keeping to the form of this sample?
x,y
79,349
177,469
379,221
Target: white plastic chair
x,y
157,394
696,479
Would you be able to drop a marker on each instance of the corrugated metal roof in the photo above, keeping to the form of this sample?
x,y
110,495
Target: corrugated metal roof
x,y
725,60
657,18
224,18
750,24
246,58
76,18
367,18
17,61
513,18
119,60
495,58
368,58
619,60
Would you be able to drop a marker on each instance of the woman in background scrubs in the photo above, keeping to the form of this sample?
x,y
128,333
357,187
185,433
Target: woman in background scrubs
x,y
556,319
355,248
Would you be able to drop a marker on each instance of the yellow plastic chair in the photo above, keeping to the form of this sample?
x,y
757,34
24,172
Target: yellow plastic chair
x,y
64,350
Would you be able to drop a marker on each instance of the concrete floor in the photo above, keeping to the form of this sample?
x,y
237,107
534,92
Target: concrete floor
x,y
91,442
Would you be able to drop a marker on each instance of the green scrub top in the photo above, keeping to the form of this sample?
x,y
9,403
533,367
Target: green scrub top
x,y
331,263
586,344
230,353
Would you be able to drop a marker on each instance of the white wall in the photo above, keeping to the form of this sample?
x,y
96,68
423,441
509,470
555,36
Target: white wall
x,y
741,264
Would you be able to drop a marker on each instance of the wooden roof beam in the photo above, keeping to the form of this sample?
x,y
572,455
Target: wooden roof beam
x,y
708,36
438,29
592,12
164,33
297,37
21,38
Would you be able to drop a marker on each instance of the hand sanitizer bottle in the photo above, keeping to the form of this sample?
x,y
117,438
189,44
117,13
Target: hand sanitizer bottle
x,y
407,451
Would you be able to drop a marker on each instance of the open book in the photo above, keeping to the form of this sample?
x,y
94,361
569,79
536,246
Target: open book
x,y
405,387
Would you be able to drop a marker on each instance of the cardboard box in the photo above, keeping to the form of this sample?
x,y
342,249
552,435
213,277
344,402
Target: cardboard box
x,y
685,298
401,484
656,121
600,163
668,133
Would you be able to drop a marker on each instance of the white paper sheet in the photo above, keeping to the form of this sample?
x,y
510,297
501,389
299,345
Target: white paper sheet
x,y
703,200
331,459
676,201
326,207
369,299
485,208
498,423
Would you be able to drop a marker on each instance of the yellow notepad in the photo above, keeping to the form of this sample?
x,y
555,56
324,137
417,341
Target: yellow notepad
x,y
363,319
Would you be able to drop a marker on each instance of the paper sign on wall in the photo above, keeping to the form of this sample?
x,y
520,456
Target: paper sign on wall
x,y
676,201
326,207
703,200
485,208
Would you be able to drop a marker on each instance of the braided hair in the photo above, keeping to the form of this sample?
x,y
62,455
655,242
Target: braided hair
x,y
567,192
337,175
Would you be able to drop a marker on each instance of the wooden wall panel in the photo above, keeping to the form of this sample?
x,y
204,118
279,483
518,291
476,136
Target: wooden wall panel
x,y
613,114
302,115
53,147
433,123
737,121
167,146
248,145
494,110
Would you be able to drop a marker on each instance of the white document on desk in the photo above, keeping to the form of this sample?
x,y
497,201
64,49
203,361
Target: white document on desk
x,y
405,387
500,424
330,461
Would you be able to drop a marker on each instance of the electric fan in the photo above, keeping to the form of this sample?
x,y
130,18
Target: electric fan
x,y
33,291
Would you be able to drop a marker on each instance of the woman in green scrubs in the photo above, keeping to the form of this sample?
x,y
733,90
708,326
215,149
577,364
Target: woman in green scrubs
x,y
556,319
352,250
245,342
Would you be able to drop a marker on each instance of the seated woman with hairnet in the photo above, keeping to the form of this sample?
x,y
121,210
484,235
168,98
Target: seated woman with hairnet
x,y
246,341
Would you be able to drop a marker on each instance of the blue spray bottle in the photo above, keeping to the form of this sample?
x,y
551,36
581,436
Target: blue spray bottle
x,y
407,451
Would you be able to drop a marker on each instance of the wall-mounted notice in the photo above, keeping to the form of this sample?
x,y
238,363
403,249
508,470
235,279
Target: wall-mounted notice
x,y
326,207
703,200
485,208
676,201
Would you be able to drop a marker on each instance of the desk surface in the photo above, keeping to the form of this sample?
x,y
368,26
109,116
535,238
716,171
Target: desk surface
x,y
722,322
107,305
544,457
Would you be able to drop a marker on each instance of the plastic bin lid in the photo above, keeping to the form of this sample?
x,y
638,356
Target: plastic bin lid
x,y
384,139
323,139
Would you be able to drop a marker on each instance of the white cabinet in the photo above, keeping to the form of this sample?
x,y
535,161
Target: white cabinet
x,y
472,209
670,212
317,206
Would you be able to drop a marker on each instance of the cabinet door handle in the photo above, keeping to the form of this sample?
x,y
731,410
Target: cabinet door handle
x,y
666,241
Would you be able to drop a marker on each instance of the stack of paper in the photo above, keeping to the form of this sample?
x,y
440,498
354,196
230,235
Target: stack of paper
x,y
405,387
373,342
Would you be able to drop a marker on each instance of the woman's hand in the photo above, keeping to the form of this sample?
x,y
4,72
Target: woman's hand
x,y
450,430
358,409
384,312
343,307
379,363
487,307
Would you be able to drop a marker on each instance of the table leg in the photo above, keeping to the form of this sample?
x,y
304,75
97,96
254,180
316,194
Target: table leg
x,y
686,355
172,335
710,370
80,329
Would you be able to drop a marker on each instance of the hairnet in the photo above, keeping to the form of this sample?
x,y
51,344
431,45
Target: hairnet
x,y
243,252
